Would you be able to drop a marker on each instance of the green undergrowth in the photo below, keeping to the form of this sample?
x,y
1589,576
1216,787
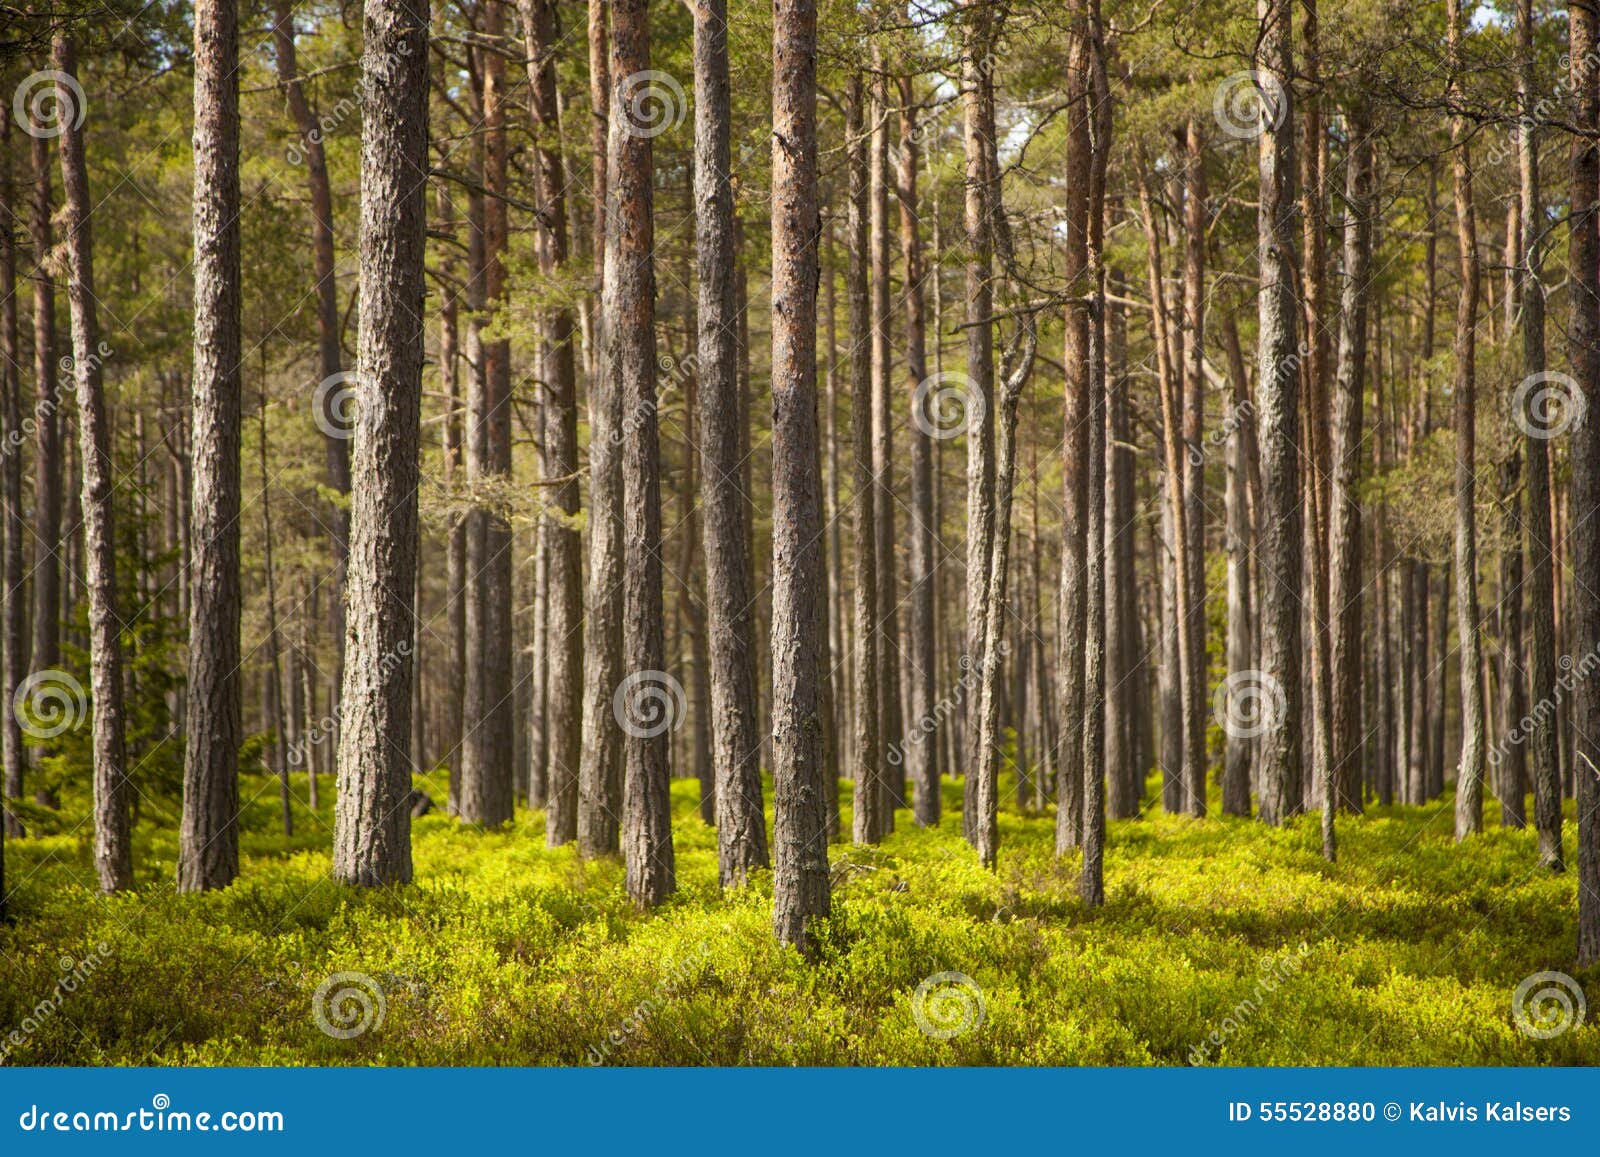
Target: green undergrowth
x,y
1221,941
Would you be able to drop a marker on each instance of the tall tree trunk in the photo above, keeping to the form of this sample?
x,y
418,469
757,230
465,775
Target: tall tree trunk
x,y
600,762
1091,885
920,744
113,845
890,716
1075,446
456,529
14,627
800,876
1585,495
1238,746
562,545
736,740
1543,765
870,802
273,677
1196,229
487,776
45,648
208,842
629,310
1469,776
1344,522
372,822
1278,425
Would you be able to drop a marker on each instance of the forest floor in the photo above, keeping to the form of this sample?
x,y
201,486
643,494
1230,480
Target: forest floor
x,y
1222,941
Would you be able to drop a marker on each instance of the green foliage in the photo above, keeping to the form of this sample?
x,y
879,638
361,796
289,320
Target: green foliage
x,y
506,952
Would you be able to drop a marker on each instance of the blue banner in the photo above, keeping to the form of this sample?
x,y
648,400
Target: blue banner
x,y
784,1111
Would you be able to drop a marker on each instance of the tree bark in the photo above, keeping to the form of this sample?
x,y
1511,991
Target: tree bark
x,y
1584,353
629,310
562,545
1345,522
736,741
372,819
208,841
1543,764
45,648
1196,212
800,877
1469,776
1278,425
921,739
113,845
14,627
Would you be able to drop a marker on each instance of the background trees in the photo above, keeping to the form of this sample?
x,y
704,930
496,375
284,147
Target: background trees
x,y
1139,306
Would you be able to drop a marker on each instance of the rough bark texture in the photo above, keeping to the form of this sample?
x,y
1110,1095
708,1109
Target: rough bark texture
x,y
50,383
629,308
1469,775
1584,352
113,845
1238,748
1196,213
14,624
890,715
736,740
979,411
921,739
208,840
1345,533
800,870
1278,426
372,818
871,794
563,673
1543,767
1075,448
